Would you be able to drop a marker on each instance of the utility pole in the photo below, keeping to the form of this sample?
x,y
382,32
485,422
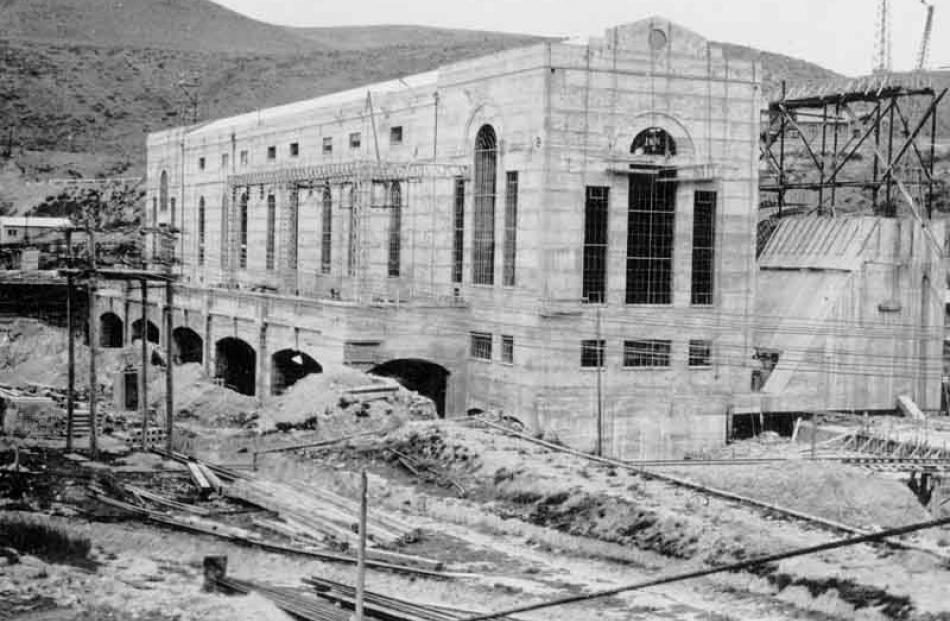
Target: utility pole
x,y
600,400
143,371
361,551
169,369
93,344
71,345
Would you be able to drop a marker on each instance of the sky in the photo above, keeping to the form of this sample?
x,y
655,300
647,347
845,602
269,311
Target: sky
x,y
837,34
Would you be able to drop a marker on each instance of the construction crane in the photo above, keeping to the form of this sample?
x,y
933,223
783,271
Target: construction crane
x,y
925,38
882,38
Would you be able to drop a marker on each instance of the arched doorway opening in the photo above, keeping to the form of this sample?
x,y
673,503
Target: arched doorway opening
x,y
189,347
151,331
110,330
234,364
424,377
288,366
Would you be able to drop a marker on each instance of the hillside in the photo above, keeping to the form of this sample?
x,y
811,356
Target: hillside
x,y
95,76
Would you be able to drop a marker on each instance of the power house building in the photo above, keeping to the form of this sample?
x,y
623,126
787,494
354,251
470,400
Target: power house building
x,y
564,232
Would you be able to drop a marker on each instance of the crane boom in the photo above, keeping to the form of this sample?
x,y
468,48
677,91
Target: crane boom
x,y
882,38
925,38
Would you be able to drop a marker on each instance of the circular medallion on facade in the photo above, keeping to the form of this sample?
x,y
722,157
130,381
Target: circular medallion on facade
x,y
657,39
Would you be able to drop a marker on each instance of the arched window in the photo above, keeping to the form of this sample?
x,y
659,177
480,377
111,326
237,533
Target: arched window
x,y
327,235
395,228
483,241
201,231
653,141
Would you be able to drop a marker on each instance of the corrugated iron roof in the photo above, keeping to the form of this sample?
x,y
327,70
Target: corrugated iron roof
x,y
819,243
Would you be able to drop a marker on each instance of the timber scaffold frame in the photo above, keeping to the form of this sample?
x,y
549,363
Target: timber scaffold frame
x,y
817,140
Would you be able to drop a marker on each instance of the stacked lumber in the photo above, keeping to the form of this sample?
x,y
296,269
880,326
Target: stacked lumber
x,y
320,514
380,606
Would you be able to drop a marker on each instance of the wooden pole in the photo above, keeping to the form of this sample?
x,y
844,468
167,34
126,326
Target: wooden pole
x,y
361,552
93,346
600,392
71,381
143,371
169,369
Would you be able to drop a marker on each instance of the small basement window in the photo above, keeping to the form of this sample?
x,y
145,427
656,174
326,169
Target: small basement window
x,y
395,135
592,353
327,146
700,353
480,345
294,149
272,153
355,140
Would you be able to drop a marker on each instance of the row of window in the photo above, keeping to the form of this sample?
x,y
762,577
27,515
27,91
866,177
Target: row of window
x,y
480,347
651,213
355,140
646,353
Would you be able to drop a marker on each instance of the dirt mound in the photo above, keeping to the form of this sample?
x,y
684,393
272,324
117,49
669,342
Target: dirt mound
x,y
833,491
198,397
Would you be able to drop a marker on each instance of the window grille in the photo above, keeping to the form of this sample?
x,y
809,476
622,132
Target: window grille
x,y
395,229
481,345
271,222
511,229
458,239
201,231
592,353
243,231
704,247
654,141
646,353
507,349
700,353
650,228
595,244
326,240
483,242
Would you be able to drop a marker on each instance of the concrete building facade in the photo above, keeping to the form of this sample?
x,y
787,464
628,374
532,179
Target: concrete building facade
x,y
564,232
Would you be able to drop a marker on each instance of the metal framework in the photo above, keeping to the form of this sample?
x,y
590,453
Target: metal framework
x,y
867,143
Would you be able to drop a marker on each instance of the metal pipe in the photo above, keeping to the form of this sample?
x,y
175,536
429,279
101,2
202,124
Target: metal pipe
x,y
143,371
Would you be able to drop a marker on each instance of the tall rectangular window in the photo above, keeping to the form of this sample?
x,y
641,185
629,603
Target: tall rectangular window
x,y
458,238
293,228
243,231
507,349
511,229
646,353
272,153
294,149
395,229
271,223
201,231
224,161
650,226
350,192
395,135
243,158
480,345
483,233
592,353
326,237
225,232
595,244
201,163
704,247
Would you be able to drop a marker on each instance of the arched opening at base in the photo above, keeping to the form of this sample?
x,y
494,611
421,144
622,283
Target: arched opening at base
x,y
151,333
234,364
189,347
426,378
288,366
110,330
